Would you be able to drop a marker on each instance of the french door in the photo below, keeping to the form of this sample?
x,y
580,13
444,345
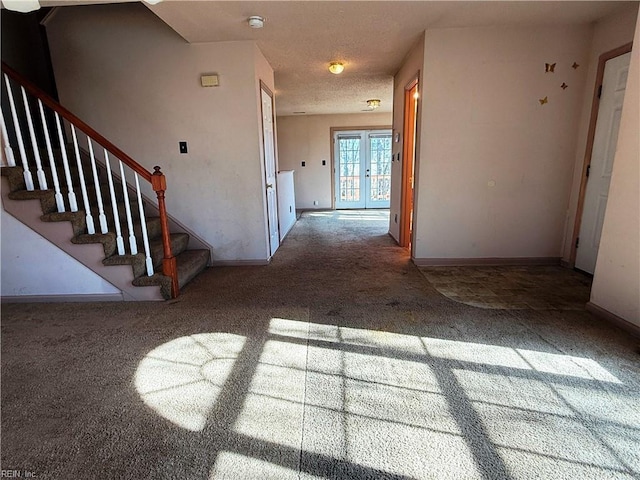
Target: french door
x,y
362,168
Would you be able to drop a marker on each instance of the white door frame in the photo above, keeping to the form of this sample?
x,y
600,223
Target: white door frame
x,y
365,173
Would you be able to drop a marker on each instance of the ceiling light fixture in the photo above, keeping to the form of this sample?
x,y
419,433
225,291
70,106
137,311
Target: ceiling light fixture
x,y
22,6
336,68
373,103
255,21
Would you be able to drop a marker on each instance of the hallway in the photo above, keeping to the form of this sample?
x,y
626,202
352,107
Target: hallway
x,y
338,360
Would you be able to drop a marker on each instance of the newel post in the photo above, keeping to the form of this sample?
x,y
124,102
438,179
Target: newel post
x,y
169,265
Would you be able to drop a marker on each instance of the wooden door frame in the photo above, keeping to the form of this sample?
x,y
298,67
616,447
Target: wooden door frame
x,y
409,143
595,106
332,147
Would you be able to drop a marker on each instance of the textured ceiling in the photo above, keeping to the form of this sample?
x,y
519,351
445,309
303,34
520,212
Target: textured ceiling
x,y
301,38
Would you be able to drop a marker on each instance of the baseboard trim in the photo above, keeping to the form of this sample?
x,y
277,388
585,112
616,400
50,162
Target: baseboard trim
x,y
469,262
65,298
613,318
240,263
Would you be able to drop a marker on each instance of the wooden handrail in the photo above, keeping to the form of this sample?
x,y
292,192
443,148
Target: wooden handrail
x,y
79,124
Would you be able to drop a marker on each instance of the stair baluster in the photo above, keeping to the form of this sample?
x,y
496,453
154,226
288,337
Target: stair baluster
x,y
8,151
102,218
143,223
42,179
28,178
73,203
114,205
52,163
91,228
127,206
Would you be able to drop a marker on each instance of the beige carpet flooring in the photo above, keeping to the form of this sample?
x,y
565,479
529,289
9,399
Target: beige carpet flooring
x,y
339,360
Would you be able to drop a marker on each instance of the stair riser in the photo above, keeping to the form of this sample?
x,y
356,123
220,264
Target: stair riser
x,y
122,213
93,197
75,177
179,244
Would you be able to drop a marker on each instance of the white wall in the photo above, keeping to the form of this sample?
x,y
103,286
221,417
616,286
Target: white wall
x,y
616,281
481,123
31,265
307,138
411,67
132,78
609,33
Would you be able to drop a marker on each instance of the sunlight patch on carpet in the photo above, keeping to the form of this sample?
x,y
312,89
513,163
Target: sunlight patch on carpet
x,y
182,379
311,400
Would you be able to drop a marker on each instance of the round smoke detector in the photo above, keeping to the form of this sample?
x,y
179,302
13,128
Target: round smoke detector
x,y
256,21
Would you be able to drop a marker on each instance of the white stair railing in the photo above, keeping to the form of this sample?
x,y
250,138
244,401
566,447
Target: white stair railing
x,y
143,224
52,163
133,245
114,206
42,180
52,138
91,228
28,178
102,218
73,203
8,151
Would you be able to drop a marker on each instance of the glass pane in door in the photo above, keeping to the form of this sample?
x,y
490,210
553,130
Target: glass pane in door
x,y
349,164
380,180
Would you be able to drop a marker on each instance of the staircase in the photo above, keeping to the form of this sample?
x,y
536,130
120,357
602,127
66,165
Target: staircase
x,y
86,197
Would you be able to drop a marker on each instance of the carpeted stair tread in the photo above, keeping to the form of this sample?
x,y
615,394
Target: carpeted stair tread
x,y
108,241
30,194
122,212
78,220
179,242
46,197
190,263
155,280
154,228
137,263
15,177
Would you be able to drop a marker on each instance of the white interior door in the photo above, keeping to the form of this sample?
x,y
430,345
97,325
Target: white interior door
x,y
604,148
268,140
362,169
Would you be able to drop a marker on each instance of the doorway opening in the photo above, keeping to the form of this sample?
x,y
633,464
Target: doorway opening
x,y
411,97
362,168
613,68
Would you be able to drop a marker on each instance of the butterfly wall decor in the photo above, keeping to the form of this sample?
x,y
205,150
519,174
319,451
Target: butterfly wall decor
x,y
549,67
